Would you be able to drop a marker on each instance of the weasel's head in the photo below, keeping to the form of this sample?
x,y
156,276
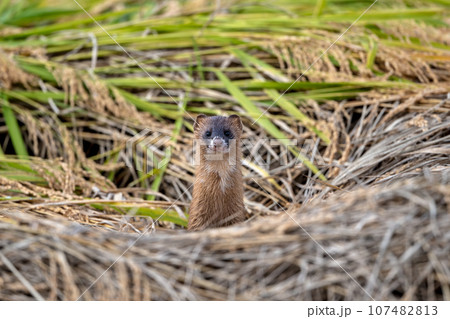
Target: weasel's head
x,y
218,133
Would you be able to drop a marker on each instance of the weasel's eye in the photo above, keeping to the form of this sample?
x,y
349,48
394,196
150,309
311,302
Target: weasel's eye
x,y
208,134
227,133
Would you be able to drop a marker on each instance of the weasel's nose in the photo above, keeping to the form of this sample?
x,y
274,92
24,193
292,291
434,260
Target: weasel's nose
x,y
217,141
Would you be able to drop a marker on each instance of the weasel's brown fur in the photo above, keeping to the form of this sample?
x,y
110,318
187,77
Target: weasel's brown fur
x,y
218,196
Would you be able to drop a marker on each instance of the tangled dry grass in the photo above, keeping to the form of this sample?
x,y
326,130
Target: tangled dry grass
x,y
391,239
387,227
72,202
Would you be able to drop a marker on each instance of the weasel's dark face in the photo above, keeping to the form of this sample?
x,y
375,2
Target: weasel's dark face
x,y
218,132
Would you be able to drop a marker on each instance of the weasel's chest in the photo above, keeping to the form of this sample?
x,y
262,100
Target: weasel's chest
x,y
218,182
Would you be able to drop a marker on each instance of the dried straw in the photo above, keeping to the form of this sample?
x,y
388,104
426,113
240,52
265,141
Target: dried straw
x,y
391,239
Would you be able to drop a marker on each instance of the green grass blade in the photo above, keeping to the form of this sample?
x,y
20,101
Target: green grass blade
x,y
155,213
13,128
260,65
320,5
152,108
371,54
199,60
291,109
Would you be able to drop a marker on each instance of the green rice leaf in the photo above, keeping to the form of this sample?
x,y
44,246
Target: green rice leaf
x,y
13,128
155,213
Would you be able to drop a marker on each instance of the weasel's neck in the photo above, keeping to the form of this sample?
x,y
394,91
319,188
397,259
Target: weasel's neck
x,y
218,174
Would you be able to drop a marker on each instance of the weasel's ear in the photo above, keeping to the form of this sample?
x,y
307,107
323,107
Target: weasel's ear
x,y
236,120
200,118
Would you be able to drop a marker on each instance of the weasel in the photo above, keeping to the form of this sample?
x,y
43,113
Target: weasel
x,y
218,195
